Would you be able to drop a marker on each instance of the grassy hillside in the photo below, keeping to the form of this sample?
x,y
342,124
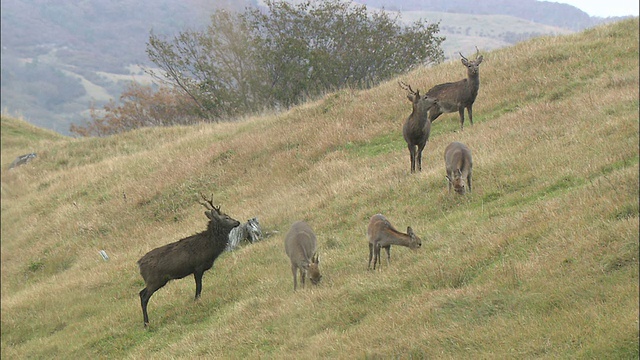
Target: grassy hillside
x,y
541,261
19,137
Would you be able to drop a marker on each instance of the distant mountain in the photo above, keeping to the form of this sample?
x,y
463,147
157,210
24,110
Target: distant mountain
x,y
59,57
99,35
464,32
541,12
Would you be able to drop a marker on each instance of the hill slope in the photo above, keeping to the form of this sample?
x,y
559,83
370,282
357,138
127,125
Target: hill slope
x,y
540,261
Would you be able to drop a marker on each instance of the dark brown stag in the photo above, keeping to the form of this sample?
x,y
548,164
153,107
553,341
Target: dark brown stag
x,y
192,255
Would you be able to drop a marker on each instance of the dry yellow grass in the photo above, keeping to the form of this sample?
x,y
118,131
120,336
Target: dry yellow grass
x,y
541,261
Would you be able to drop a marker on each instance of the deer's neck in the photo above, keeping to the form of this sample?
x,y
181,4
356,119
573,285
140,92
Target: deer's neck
x,y
394,237
420,115
473,84
474,81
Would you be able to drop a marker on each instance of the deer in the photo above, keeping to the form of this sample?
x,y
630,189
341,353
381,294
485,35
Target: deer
x,y
456,96
192,255
417,127
300,246
381,235
459,164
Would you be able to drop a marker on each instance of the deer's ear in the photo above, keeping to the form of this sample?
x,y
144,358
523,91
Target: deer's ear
x,y
208,213
464,62
409,230
411,97
479,60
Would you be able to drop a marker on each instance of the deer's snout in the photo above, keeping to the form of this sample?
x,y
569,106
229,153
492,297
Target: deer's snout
x,y
461,190
315,280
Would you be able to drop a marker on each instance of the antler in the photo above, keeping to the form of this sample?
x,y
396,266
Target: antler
x,y
477,54
404,86
209,203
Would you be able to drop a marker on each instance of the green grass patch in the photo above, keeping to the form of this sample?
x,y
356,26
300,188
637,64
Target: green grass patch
x,y
385,144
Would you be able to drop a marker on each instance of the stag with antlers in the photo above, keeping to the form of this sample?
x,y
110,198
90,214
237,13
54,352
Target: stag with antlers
x,y
192,255
456,96
417,127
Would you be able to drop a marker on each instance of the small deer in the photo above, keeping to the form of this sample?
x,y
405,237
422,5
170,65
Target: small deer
x,y
456,96
417,127
459,164
192,255
382,235
300,246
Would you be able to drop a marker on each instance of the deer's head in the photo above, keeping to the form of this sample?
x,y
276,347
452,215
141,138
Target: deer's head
x,y
473,67
415,242
419,102
458,182
313,270
214,214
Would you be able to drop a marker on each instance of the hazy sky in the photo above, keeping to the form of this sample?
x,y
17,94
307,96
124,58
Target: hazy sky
x,y
604,8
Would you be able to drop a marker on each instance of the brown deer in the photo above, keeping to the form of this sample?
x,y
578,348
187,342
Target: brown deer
x,y
417,127
456,96
300,246
459,164
192,255
382,235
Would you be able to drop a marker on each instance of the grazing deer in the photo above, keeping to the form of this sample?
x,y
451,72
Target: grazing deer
x,y
382,235
300,246
456,96
459,164
192,255
417,127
